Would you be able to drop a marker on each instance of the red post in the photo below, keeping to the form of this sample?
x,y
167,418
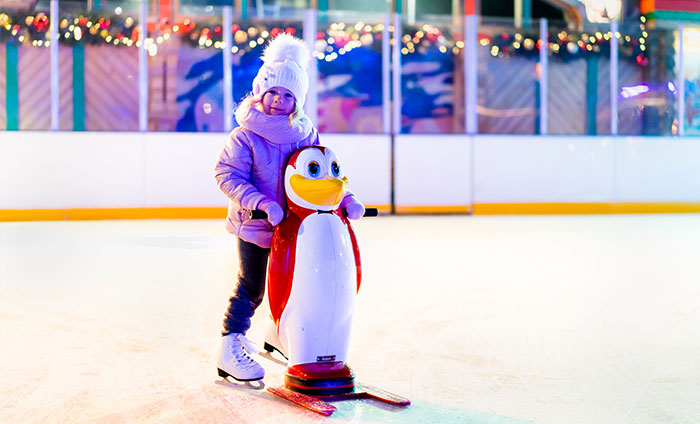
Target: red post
x,y
165,12
470,7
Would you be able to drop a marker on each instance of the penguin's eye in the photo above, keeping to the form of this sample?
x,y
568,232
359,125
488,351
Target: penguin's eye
x,y
335,169
314,169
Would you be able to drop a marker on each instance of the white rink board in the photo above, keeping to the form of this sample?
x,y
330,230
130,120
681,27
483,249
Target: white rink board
x,y
45,170
179,170
57,170
512,169
561,169
432,170
658,170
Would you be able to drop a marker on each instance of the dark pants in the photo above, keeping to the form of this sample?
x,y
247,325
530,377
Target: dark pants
x,y
249,292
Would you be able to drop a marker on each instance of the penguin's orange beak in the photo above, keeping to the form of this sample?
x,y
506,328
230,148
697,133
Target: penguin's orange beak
x,y
326,191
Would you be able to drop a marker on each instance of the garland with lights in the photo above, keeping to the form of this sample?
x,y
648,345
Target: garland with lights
x,y
123,31
565,46
34,29
339,39
244,39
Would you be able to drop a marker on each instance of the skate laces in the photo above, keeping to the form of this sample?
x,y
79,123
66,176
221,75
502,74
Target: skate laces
x,y
243,349
248,345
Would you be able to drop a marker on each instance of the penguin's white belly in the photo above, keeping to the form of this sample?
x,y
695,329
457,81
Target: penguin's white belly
x,y
316,322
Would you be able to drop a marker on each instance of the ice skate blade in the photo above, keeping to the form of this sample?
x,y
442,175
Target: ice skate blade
x,y
268,347
224,374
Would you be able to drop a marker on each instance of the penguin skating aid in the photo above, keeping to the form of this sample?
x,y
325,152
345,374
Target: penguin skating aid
x,y
314,277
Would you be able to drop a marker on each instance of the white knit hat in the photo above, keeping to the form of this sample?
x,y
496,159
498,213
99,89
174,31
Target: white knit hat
x,y
284,65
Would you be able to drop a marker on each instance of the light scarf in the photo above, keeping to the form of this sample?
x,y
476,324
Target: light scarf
x,y
275,129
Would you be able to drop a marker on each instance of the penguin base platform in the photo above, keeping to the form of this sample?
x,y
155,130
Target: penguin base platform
x,y
324,378
320,403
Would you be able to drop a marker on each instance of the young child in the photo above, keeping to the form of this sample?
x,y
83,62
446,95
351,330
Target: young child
x,y
250,171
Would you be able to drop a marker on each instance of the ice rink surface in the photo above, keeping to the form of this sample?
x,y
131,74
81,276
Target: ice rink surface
x,y
547,319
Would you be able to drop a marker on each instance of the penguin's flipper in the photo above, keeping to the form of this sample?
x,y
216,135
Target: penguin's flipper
x,y
281,270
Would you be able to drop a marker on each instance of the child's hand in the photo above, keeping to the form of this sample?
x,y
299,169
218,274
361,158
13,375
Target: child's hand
x,y
355,210
275,214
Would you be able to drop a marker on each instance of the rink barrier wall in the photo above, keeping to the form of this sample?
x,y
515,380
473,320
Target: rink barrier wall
x,y
433,173
560,174
109,175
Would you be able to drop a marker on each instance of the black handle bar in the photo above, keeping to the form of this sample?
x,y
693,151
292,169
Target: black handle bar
x,y
258,214
371,212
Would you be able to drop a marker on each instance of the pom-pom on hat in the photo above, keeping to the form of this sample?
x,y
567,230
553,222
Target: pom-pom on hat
x,y
285,61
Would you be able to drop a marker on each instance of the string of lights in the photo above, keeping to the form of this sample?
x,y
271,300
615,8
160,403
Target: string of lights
x,y
337,40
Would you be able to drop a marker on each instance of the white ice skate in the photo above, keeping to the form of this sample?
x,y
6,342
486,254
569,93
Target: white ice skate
x,y
272,341
235,361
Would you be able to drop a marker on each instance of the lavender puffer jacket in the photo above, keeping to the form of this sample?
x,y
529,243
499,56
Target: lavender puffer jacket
x,y
249,171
